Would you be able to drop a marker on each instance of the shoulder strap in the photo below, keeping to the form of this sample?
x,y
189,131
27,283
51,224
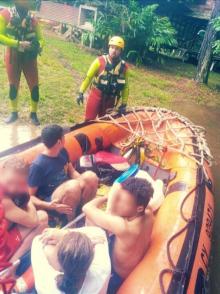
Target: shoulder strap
x,y
103,62
6,13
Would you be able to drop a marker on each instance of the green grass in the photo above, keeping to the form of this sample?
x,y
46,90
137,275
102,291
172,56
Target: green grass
x,y
4,3
63,66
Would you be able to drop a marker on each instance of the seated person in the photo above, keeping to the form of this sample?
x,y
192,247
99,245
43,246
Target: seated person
x,y
54,184
21,219
130,222
71,261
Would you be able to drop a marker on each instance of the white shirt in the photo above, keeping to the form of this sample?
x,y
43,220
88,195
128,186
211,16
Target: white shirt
x,y
97,276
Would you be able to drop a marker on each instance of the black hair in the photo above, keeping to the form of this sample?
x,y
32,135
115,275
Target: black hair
x,y
140,189
51,134
75,255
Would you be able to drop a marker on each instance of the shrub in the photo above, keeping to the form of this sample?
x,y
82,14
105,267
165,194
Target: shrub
x,y
143,30
216,45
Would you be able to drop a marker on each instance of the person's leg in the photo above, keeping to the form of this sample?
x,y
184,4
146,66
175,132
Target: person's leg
x,y
93,104
27,235
30,71
13,68
108,103
69,193
89,183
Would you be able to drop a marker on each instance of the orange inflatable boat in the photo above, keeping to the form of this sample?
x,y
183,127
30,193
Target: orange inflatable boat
x,y
170,148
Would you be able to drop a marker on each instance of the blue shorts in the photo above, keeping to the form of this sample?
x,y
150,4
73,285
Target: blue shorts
x,y
115,281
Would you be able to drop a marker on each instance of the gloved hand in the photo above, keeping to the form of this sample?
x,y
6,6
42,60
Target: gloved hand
x,y
122,109
80,99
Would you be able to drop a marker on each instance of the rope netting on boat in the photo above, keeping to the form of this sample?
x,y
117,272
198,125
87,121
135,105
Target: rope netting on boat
x,y
162,128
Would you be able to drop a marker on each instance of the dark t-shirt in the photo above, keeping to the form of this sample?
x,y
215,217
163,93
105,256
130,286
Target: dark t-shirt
x,y
47,173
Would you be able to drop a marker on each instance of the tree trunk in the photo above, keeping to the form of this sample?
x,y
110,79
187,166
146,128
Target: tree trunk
x,y
205,55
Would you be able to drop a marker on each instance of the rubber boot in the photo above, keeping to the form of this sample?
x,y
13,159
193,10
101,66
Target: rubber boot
x,y
11,118
34,119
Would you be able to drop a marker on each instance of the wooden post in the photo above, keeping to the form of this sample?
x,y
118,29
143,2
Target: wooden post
x,y
206,50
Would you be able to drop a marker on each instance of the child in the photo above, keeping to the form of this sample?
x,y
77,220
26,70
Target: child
x,y
72,261
129,221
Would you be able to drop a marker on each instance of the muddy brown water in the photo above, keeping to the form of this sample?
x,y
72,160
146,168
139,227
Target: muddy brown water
x,y
16,134
201,115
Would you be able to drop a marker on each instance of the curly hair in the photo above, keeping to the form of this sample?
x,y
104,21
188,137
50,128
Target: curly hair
x,y
140,189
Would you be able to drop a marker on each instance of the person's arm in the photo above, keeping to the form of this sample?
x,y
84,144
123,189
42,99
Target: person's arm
x,y
93,70
4,39
24,217
125,91
39,204
112,197
112,223
39,35
73,174
52,205
52,236
36,177
44,274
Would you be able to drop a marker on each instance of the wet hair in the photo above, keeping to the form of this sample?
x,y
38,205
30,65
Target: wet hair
x,y
51,134
16,164
75,255
140,189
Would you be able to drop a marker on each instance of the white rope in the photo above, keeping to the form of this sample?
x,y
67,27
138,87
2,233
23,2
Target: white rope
x,y
161,121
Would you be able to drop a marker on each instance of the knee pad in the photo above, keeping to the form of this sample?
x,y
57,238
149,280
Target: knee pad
x,y
35,94
13,92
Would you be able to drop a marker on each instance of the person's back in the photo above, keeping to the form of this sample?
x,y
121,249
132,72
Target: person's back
x,y
72,261
130,248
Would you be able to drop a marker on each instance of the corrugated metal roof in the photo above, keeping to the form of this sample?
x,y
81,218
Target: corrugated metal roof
x,y
62,13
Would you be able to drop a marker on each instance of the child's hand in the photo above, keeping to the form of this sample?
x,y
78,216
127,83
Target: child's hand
x,y
52,236
97,240
94,238
61,208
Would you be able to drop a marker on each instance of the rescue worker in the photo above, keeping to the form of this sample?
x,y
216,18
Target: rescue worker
x,y
21,33
108,77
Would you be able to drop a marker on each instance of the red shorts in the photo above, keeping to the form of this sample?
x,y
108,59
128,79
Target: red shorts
x,y
12,244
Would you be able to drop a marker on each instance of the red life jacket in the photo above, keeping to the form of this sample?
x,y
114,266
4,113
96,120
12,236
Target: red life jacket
x,y
6,284
3,234
20,29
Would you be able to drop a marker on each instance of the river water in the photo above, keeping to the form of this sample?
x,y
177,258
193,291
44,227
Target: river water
x,y
201,115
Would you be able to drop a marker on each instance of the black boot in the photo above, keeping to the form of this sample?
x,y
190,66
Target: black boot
x,y
34,119
11,118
